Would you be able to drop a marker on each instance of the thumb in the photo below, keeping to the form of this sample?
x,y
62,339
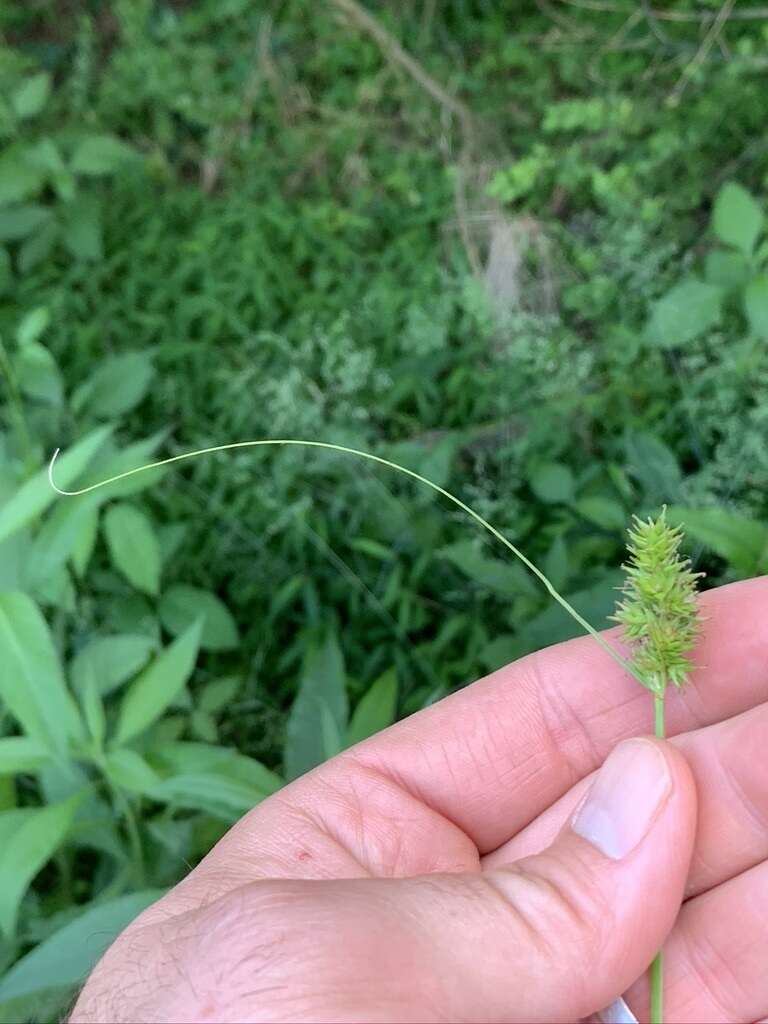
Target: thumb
x,y
559,935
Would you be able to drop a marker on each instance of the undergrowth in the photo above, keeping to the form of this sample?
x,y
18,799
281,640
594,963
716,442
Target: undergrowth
x,y
225,220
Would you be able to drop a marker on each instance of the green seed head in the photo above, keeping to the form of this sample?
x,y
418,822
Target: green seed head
x,y
659,612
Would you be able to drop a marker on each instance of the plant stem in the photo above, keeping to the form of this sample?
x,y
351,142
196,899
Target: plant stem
x,y
657,989
657,967
658,706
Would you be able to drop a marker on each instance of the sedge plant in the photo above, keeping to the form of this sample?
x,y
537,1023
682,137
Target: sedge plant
x,y
658,610
660,618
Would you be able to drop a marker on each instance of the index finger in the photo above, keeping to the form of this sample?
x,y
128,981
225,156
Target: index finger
x,y
495,755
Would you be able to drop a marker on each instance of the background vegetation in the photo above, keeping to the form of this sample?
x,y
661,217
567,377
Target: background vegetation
x,y
517,247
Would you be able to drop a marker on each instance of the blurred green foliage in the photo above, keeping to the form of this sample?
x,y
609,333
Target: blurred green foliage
x,y
231,219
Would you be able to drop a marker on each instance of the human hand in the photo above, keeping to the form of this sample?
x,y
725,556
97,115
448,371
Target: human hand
x,y
448,869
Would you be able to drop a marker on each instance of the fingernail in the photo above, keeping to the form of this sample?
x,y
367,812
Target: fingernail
x,y
624,799
617,1013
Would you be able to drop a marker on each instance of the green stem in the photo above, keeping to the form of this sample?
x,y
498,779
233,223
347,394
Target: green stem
x,y
657,989
658,706
657,967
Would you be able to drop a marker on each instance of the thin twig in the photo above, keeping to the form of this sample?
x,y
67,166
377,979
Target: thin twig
x,y
701,54
396,53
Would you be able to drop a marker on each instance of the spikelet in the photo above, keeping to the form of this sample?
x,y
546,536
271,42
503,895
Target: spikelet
x,y
658,611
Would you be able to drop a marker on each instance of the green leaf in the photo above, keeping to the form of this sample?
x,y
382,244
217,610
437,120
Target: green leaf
x,y
81,228
31,681
38,375
603,512
685,312
654,464
213,794
31,843
133,546
375,710
128,770
508,578
38,246
152,692
553,483
29,98
21,754
756,305
33,326
93,711
66,958
18,181
113,660
181,605
56,540
726,269
36,494
737,218
323,684
17,222
84,540
100,154
741,541
117,385
217,694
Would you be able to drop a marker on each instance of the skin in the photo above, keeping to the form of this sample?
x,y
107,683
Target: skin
x,y
433,873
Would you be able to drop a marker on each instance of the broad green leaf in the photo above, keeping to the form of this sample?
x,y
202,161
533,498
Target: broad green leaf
x,y
81,228
18,181
594,603
38,245
21,754
110,463
29,98
685,312
742,542
33,326
100,154
38,374
175,758
375,710
726,269
756,305
66,958
654,464
36,494
133,546
214,794
323,684
128,770
112,660
217,694
181,605
55,541
507,577
117,385
737,218
603,512
31,843
31,681
553,482
17,222
154,690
